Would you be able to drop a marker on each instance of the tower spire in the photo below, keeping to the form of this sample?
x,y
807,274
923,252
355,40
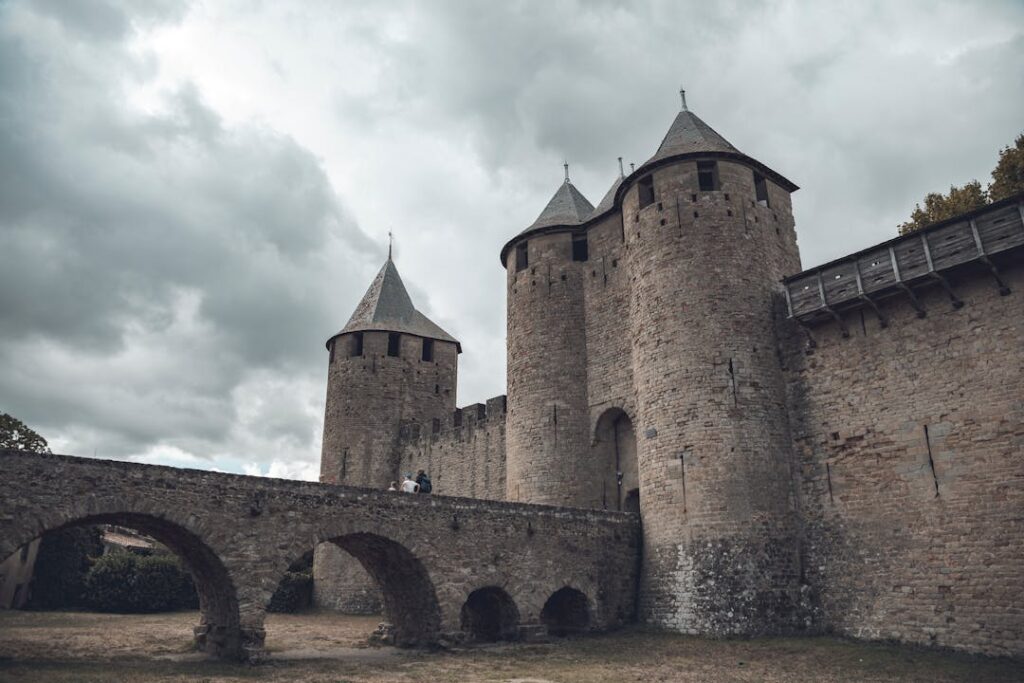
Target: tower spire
x,y
391,241
566,166
682,96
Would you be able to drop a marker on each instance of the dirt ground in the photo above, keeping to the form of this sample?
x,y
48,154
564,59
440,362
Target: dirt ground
x,y
63,647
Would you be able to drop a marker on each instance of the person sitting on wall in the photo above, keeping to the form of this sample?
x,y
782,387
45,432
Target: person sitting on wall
x,y
394,486
409,486
424,482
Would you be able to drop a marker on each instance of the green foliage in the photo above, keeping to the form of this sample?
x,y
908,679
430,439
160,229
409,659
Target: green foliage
x,y
1008,176
61,566
108,585
16,435
939,207
294,593
127,583
1007,180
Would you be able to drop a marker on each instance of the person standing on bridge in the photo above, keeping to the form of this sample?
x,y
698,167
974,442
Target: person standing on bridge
x,y
424,482
409,486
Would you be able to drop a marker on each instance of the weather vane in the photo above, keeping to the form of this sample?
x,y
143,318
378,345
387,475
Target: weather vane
x,y
391,240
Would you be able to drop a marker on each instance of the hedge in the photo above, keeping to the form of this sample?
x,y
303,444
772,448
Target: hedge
x,y
63,561
127,583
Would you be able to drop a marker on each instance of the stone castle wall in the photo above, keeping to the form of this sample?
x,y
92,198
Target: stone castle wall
x,y
464,455
910,441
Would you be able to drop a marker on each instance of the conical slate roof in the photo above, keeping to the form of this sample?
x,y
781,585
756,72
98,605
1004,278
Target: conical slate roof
x,y
387,307
689,134
609,197
568,206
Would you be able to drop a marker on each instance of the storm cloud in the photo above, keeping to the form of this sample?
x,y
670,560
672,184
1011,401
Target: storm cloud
x,y
194,196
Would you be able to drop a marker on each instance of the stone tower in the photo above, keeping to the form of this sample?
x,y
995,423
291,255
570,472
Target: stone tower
x,y
391,371
709,235
659,306
547,425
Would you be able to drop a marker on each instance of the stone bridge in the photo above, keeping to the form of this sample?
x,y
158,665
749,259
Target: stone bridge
x,y
447,567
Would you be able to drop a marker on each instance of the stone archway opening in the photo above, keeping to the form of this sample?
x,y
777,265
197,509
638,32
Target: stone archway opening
x,y
219,632
566,612
615,474
409,601
489,615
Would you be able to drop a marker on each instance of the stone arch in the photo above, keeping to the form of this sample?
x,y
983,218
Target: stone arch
x,y
490,614
219,632
567,611
409,599
614,469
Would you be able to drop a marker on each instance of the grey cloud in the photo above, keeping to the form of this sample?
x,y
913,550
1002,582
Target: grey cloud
x,y
151,264
190,268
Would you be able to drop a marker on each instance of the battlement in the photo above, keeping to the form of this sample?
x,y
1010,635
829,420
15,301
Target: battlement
x,y
465,418
979,239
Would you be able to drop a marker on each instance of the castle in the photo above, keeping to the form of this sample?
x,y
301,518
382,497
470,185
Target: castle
x,y
839,449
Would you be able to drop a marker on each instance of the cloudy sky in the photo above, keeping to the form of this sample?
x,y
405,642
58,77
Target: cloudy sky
x,y
194,195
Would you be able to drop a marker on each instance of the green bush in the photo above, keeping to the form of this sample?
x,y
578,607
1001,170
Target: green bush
x,y
294,593
123,582
63,561
109,583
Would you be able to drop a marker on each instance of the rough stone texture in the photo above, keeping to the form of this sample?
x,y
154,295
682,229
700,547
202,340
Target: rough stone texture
x,y
465,456
720,533
371,399
371,396
547,428
341,584
239,534
911,447
659,373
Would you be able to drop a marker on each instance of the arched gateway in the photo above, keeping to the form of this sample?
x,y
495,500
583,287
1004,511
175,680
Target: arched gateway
x,y
238,535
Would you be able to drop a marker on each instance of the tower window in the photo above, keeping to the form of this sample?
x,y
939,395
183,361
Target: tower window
x,y
522,257
707,176
646,189
394,341
760,189
580,249
357,345
428,350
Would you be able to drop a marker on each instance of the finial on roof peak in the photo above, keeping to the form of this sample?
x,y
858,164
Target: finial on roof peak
x,y
621,174
566,166
632,167
391,241
682,96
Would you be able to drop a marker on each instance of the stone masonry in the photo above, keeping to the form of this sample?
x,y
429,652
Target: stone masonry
x,y
430,555
838,449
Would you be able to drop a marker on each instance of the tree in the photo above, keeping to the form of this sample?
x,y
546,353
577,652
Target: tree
x,y
1007,180
16,435
939,207
1008,175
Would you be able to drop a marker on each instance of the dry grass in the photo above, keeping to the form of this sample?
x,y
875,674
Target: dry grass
x,y
322,648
